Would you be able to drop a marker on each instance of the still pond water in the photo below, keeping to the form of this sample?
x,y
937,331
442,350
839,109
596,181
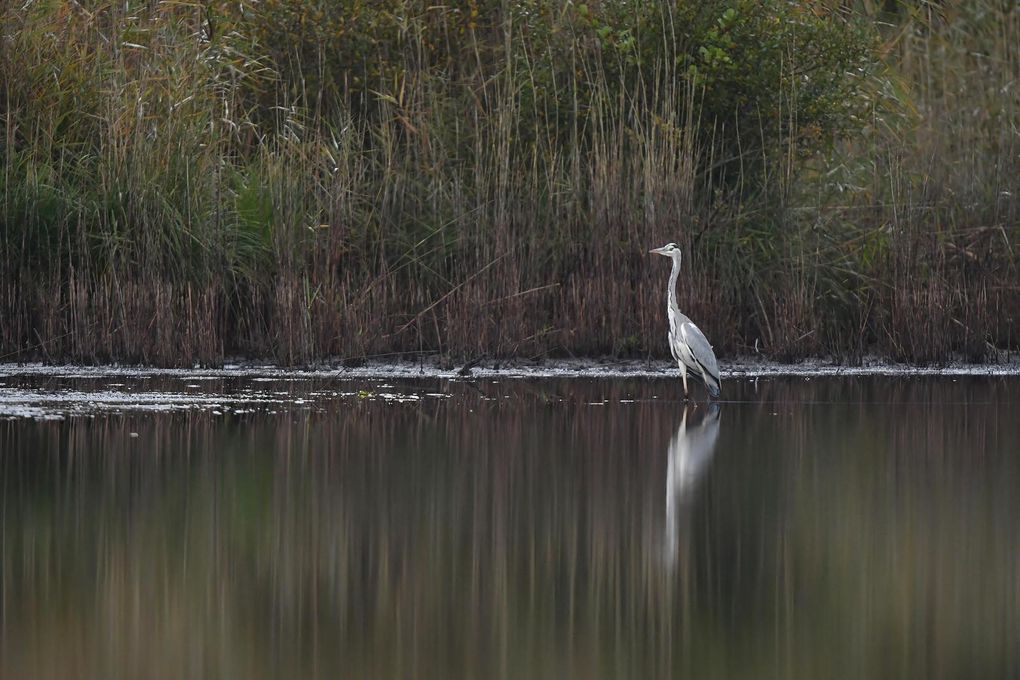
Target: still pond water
x,y
161,527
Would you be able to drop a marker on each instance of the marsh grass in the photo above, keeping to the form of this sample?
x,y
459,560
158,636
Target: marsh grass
x,y
184,183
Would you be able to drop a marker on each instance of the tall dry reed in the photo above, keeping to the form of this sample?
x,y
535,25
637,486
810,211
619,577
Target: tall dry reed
x,y
186,183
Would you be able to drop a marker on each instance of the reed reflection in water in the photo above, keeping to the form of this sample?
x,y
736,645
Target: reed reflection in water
x,y
842,528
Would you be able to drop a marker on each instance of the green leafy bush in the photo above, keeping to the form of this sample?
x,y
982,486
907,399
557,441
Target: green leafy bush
x,y
764,73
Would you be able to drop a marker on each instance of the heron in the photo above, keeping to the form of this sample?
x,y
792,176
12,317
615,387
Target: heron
x,y
687,344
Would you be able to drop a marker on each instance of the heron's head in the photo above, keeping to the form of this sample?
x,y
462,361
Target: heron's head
x,y
669,250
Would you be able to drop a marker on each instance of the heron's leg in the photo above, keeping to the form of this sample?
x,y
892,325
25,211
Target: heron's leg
x,y
683,372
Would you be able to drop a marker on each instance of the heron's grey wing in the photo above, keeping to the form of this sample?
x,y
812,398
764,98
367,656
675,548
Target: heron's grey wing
x,y
700,349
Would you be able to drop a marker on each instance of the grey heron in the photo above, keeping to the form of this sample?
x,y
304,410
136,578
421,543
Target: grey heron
x,y
687,344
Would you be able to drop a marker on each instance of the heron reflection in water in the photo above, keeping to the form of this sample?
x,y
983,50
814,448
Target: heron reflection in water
x,y
690,452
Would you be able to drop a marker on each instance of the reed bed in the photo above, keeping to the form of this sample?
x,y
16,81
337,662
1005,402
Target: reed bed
x,y
183,183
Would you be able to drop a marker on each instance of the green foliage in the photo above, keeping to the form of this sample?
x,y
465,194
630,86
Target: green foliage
x,y
765,72
780,72
249,250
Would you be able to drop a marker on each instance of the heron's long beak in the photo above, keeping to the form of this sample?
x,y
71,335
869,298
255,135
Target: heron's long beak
x,y
657,251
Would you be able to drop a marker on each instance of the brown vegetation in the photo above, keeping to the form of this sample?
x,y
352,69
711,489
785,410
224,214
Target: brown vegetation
x,y
183,183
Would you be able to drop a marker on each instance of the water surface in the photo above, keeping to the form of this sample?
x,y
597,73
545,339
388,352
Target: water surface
x,y
164,527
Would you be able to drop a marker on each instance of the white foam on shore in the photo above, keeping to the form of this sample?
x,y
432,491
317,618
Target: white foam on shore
x,y
68,397
56,404
568,368
49,401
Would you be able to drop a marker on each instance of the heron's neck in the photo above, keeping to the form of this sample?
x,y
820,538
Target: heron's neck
x,y
673,275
